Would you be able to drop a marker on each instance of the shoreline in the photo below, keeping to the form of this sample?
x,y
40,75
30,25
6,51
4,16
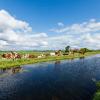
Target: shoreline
x,y
97,93
19,62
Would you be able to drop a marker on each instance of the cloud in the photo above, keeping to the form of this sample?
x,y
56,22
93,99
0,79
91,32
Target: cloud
x,y
90,26
17,34
60,24
86,34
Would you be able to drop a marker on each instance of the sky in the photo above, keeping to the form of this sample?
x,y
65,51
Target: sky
x,y
49,24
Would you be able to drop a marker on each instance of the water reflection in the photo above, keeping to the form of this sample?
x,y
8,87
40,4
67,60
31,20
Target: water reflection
x,y
57,67
55,98
10,71
60,80
82,57
16,70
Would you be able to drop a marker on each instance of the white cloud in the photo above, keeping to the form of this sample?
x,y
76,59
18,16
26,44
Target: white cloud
x,y
86,34
90,26
17,34
60,24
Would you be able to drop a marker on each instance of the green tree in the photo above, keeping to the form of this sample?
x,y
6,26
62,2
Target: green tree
x,y
83,50
67,48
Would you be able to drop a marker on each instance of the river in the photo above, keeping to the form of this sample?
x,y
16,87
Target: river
x,y
57,80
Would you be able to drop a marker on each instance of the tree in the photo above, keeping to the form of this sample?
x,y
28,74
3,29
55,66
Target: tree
x,y
83,50
67,48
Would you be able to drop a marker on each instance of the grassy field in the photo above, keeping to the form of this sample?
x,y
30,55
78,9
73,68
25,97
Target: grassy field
x,y
8,63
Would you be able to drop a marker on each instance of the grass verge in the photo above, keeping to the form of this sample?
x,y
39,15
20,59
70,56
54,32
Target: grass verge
x,y
18,62
97,94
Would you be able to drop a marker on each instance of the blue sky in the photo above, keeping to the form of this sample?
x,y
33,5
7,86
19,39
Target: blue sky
x,y
50,17
44,14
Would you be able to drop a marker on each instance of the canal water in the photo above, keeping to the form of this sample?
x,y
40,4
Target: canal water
x,y
57,80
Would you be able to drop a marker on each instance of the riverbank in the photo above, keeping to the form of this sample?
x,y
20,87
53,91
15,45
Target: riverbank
x,y
11,63
97,94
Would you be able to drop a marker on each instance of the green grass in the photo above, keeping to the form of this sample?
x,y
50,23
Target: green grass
x,y
10,63
97,94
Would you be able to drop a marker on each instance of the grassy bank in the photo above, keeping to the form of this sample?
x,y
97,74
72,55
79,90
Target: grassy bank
x,y
11,63
97,94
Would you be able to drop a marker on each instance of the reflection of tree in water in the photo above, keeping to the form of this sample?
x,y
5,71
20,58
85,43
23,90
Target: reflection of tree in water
x,y
57,66
82,57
